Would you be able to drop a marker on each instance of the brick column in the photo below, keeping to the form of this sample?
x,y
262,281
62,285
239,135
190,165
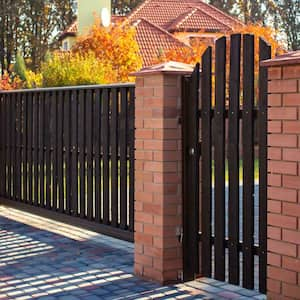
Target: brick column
x,y
283,275
158,200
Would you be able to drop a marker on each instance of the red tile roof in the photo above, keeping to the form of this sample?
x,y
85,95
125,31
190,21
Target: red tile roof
x,y
164,12
154,41
70,31
196,19
155,19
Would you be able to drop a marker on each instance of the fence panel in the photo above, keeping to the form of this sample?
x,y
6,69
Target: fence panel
x,y
71,151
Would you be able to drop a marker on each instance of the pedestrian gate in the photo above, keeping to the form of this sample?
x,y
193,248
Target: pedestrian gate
x,y
225,164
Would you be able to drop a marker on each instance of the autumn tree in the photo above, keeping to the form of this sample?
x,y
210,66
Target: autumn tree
x,y
188,55
115,45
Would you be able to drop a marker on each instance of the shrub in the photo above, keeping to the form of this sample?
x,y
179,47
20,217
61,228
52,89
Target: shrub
x,y
20,67
75,69
33,80
10,82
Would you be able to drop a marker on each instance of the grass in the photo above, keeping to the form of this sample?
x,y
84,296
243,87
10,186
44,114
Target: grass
x,y
256,171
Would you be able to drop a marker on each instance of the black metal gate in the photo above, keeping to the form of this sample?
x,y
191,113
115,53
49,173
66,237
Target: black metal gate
x,y
225,164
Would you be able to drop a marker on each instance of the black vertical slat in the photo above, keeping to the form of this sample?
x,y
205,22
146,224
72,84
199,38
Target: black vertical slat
x,y
42,148
48,148
36,147
67,145
131,130
9,142
82,149
97,151
14,152
25,169
4,136
2,146
123,158
114,157
206,162
7,155
89,153
74,157
264,53
219,158
60,152
233,159
54,149
30,144
248,162
105,147
18,147
191,175
22,141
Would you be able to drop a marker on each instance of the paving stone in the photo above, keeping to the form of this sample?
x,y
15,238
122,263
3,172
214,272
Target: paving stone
x,y
248,293
231,287
228,295
72,263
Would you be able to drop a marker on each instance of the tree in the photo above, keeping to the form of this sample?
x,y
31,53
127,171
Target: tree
x,y
115,45
29,27
289,13
122,7
226,6
188,55
43,18
10,11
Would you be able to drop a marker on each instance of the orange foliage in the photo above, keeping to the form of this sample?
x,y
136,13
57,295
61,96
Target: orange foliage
x,y
193,54
188,55
10,82
267,33
115,46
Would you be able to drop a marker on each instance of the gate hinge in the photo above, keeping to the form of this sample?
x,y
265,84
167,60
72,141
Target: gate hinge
x,y
179,234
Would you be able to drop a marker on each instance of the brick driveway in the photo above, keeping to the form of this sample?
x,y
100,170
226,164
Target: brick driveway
x,y
44,259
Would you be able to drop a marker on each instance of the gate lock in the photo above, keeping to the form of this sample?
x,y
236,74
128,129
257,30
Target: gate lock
x,y
192,151
179,234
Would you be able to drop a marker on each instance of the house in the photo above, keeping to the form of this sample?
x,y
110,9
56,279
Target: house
x,y
161,25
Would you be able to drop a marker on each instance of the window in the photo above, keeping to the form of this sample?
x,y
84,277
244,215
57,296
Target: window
x,y
66,46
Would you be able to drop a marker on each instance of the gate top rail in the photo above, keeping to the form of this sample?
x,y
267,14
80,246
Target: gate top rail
x,y
70,88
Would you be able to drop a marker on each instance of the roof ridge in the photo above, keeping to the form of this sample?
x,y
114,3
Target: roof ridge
x,y
162,30
223,13
137,9
181,18
213,17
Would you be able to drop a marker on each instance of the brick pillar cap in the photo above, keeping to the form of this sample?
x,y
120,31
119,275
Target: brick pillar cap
x,y
171,67
290,58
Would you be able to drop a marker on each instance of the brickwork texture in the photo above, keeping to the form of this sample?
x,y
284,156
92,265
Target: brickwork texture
x,y
158,201
283,277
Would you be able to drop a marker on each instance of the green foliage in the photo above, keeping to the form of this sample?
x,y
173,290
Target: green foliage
x,y
20,67
31,27
121,7
75,69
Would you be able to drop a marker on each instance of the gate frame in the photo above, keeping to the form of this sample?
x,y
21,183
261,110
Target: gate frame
x,y
192,149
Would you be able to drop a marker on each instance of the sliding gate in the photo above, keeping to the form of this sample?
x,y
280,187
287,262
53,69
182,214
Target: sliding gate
x,y
68,153
225,164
